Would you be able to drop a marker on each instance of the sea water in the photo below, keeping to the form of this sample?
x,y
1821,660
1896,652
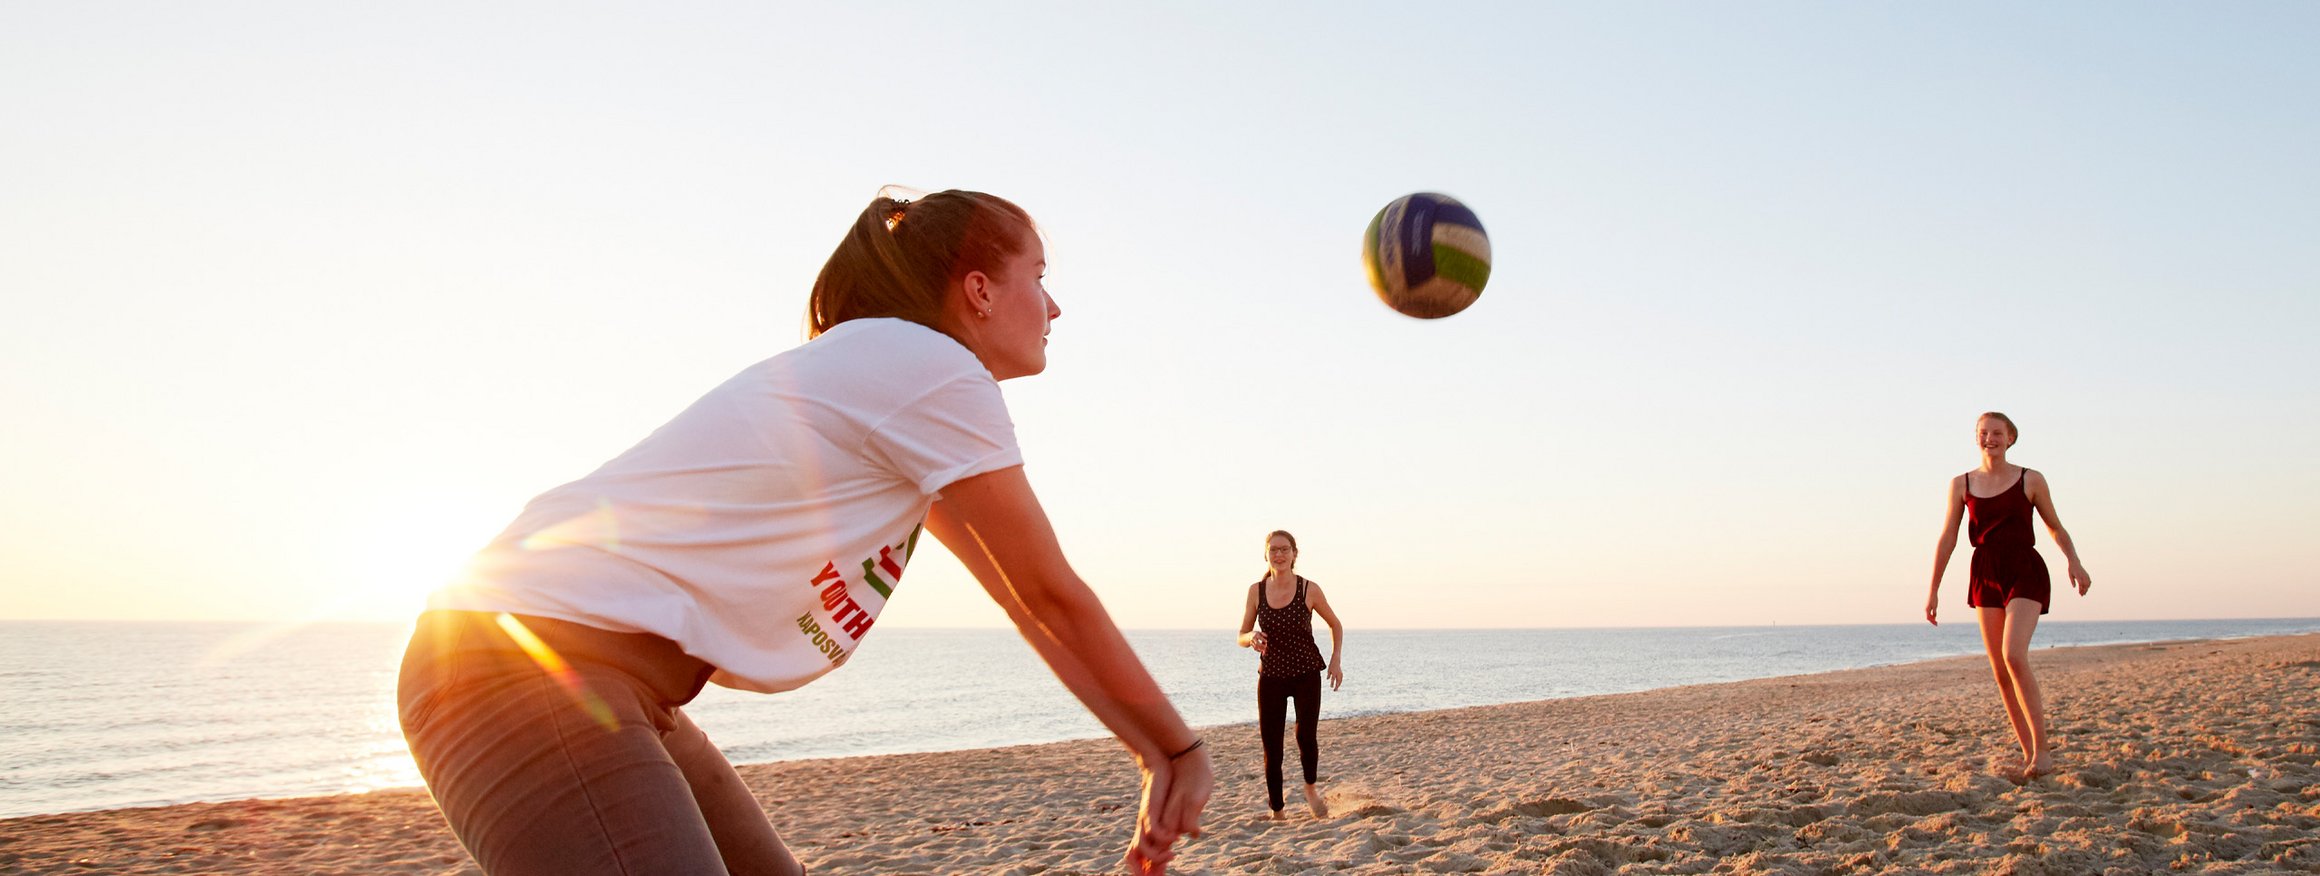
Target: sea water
x,y
104,715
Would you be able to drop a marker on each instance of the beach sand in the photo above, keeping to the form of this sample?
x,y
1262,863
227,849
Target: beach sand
x,y
2189,757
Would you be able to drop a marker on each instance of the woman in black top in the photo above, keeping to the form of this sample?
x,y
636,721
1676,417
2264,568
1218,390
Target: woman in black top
x,y
1278,623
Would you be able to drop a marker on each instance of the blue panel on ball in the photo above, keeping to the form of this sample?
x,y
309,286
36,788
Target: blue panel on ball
x,y
1415,234
1454,213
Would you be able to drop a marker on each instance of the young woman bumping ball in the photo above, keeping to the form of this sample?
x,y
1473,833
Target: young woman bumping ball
x,y
751,542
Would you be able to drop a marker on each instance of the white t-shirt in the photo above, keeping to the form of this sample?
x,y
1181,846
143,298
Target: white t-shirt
x,y
765,527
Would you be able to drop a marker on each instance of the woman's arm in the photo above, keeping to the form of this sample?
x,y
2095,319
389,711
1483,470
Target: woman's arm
x,y
1947,545
1321,607
1251,637
2042,496
997,528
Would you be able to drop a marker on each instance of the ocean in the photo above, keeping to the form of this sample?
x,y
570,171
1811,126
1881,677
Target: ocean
x,y
105,715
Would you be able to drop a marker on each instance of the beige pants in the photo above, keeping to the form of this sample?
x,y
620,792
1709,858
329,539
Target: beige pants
x,y
580,763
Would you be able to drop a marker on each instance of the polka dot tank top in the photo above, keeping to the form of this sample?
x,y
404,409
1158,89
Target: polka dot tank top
x,y
1289,648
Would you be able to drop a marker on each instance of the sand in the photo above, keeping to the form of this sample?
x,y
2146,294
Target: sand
x,y
2187,757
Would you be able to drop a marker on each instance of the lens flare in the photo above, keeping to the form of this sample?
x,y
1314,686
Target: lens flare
x,y
562,672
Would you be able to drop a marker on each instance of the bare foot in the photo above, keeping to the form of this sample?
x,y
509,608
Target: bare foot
x,y
1313,799
1273,815
2043,765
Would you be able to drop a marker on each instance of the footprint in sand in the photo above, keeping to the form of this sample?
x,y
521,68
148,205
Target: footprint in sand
x,y
1551,806
1546,807
1354,801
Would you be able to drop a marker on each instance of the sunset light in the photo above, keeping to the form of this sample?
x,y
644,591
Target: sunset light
x,y
1573,437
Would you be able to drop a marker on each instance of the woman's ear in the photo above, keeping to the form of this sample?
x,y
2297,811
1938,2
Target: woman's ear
x,y
976,286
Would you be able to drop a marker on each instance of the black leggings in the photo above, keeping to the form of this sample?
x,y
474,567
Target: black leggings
x,y
1273,696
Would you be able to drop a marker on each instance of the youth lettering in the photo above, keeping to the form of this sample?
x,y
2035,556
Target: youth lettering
x,y
845,614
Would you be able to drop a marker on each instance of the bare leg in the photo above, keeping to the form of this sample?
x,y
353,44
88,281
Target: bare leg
x,y
1994,629
2021,621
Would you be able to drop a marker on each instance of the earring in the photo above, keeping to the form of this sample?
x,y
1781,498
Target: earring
x,y
982,314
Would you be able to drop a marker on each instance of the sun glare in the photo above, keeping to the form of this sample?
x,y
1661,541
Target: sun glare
x,y
400,556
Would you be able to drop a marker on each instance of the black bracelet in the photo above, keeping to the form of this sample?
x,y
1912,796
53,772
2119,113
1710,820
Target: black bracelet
x,y
1197,742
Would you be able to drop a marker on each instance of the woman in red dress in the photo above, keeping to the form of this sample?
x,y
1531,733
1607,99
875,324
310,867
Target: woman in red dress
x,y
2009,587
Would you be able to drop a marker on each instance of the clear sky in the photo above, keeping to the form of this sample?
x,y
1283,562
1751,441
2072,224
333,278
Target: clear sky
x,y
303,301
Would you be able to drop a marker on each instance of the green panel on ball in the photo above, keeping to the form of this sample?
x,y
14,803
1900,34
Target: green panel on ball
x,y
1461,267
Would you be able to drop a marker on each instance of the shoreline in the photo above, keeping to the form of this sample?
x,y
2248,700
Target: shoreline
x,y
2200,755
1330,716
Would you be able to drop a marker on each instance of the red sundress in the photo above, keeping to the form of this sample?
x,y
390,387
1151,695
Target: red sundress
x,y
2006,563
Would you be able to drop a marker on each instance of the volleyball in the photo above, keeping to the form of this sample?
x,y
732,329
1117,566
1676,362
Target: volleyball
x,y
1427,255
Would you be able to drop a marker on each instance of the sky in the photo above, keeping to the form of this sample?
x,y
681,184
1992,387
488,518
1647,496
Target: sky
x,y
303,301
